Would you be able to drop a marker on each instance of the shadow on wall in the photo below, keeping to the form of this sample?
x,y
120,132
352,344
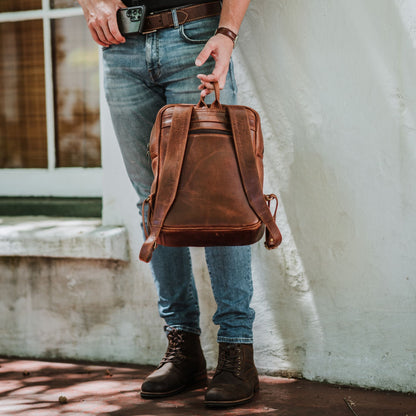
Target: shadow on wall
x,y
333,83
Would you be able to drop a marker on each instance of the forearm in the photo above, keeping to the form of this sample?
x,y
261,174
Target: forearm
x,y
232,14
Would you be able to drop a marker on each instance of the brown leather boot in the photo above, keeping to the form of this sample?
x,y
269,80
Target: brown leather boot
x,y
182,367
236,380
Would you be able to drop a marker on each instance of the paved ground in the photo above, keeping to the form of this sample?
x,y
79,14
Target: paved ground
x,y
35,388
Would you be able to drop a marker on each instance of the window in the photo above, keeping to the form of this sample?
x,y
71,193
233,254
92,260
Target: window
x,y
49,101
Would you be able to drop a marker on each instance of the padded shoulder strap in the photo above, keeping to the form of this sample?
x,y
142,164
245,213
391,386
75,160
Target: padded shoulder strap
x,y
168,177
249,174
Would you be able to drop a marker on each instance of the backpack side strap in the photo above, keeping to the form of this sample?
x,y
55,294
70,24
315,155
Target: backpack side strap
x,y
169,177
249,174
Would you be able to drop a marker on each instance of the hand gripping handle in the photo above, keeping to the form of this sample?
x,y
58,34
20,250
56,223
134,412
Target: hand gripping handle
x,y
216,104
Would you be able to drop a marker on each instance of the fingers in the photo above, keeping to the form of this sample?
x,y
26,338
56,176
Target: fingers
x,y
207,80
102,21
114,32
97,38
219,74
206,85
105,31
203,55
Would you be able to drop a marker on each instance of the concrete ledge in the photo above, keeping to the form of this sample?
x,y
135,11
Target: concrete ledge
x,y
83,238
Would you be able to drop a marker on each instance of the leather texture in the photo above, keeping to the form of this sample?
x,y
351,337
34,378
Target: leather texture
x,y
229,33
235,381
164,19
207,162
182,367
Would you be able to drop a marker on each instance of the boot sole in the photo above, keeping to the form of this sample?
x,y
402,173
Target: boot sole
x,y
200,382
231,403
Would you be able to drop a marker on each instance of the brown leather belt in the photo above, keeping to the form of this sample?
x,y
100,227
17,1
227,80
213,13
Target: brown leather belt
x,y
165,19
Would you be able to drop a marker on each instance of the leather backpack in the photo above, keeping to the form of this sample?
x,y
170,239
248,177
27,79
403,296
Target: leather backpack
x,y
207,190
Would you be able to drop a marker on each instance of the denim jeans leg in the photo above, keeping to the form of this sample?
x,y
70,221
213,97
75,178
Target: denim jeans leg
x,y
231,279
134,101
140,77
229,267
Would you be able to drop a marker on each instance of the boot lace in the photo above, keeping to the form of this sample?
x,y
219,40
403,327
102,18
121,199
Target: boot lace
x,y
230,359
174,353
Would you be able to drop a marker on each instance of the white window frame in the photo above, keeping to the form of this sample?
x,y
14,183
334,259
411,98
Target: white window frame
x,y
50,181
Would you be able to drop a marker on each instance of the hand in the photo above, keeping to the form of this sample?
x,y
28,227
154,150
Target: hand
x,y
101,17
220,47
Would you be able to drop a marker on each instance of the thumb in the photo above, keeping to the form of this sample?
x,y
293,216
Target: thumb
x,y
203,55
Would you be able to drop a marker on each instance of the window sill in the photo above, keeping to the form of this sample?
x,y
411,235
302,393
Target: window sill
x,y
81,238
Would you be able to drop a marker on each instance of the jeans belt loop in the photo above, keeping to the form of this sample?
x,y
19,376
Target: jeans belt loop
x,y
175,19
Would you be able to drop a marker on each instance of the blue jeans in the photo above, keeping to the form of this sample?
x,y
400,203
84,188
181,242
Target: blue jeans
x,y
141,76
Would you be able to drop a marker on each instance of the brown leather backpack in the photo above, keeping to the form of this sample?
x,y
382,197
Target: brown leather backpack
x,y
207,190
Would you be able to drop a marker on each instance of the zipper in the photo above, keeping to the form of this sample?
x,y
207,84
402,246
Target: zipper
x,y
210,131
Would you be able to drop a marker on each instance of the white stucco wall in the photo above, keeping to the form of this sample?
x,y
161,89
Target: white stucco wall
x,y
334,83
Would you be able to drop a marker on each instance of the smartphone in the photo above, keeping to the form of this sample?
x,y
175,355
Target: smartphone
x,y
131,19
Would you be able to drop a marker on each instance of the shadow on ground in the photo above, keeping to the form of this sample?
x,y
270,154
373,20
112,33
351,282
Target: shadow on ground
x,y
35,388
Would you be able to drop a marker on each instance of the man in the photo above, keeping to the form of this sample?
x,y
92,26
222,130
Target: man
x,y
142,73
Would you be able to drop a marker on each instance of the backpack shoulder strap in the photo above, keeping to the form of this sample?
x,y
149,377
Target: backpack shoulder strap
x,y
249,174
168,176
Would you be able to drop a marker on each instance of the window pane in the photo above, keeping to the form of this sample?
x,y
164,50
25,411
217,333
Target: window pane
x,y
57,4
19,5
23,142
77,103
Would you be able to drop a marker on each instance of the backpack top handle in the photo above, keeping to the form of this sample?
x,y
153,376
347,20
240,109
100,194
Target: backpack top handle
x,y
216,104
